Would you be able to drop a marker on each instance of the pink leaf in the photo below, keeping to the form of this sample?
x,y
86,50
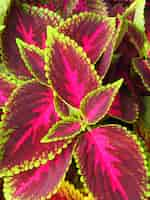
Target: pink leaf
x,y
41,182
111,162
28,24
28,116
124,107
90,31
98,102
63,130
68,69
142,68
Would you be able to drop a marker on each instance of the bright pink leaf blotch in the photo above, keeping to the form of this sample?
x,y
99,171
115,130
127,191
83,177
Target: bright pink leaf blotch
x,y
112,163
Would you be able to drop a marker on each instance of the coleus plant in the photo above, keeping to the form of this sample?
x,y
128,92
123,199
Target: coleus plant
x,y
106,151
29,23
62,106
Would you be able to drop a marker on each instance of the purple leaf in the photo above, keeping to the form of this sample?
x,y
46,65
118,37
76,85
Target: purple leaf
x,y
41,182
111,162
90,31
33,58
68,69
62,130
142,68
28,24
124,107
98,102
28,116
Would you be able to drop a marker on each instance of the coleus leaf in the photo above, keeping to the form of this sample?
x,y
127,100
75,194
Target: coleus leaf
x,y
29,24
68,69
63,130
109,157
98,102
90,31
63,7
33,58
124,107
61,107
97,6
39,183
142,68
103,65
27,118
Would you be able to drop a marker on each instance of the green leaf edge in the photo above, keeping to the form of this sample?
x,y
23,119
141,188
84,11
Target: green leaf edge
x,y
43,13
116,85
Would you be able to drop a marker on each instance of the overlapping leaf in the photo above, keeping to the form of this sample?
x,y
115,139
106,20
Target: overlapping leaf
x,y
28,24
97,6
68,69
90,31
97,103
136,37
63,130
61,107
104,63
124,106
111,162
33,58
28,116
142,68
39,182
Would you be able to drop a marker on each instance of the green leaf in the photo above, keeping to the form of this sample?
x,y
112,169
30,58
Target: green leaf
x,y
139,21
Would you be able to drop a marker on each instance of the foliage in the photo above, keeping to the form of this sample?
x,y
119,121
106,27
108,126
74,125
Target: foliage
x,y
61,88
